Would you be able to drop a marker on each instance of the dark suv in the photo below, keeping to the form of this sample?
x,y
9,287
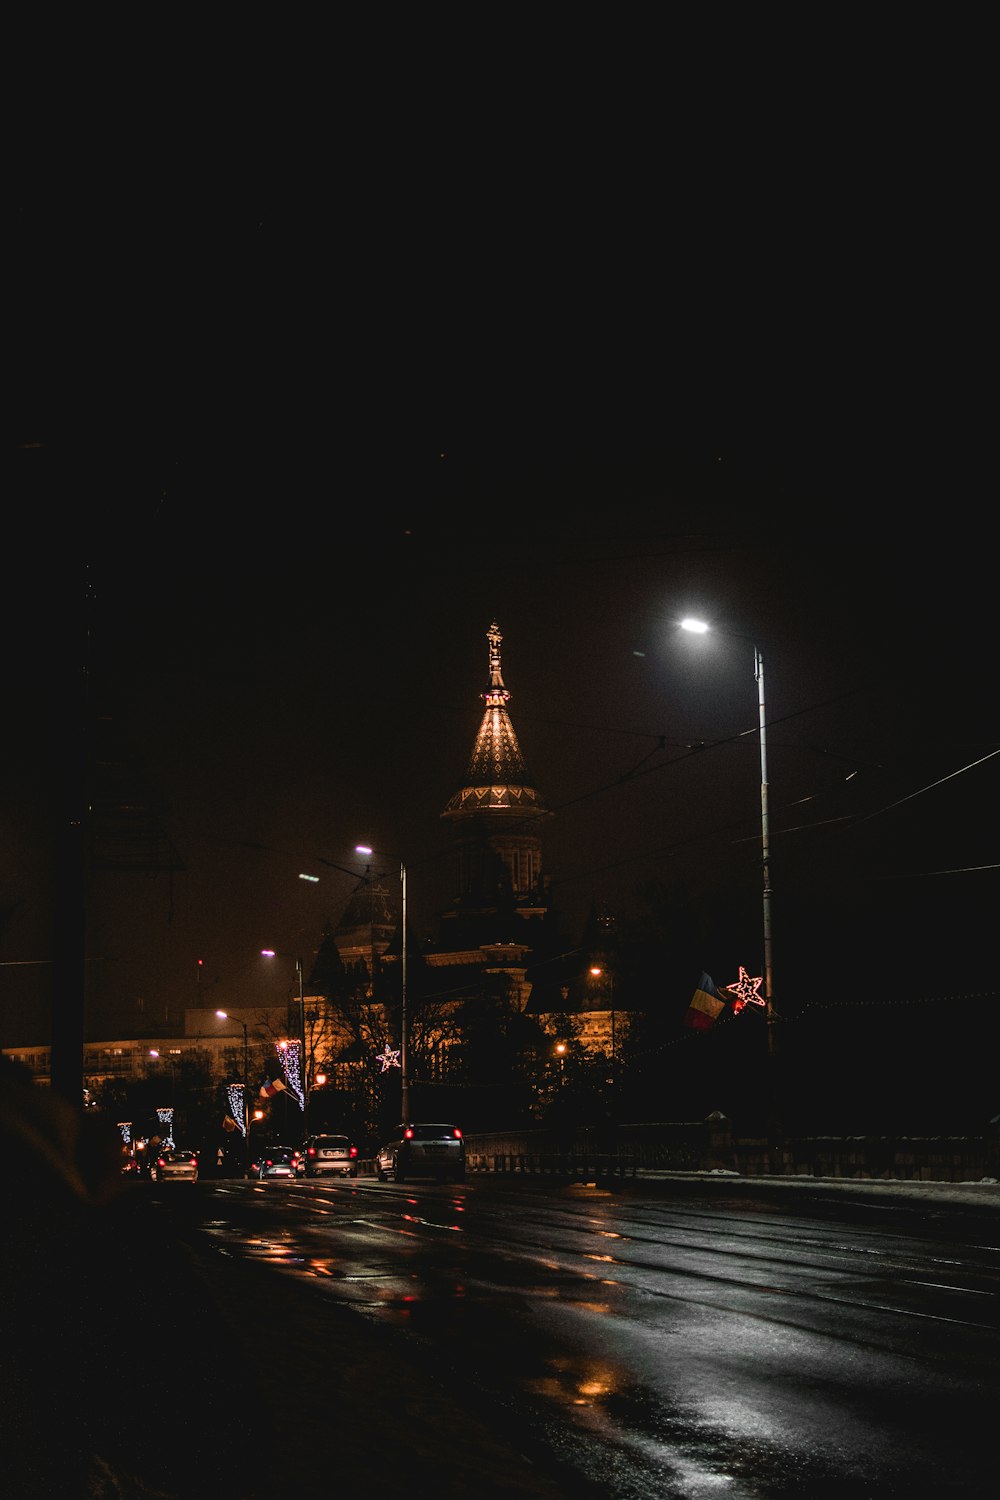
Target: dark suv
x,y
436,1151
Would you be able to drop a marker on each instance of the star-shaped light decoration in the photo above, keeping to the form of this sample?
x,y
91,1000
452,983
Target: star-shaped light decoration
x,y
745,989
387,1058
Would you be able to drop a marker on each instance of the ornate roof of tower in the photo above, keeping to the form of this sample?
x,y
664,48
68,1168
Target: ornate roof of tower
x,y
495,778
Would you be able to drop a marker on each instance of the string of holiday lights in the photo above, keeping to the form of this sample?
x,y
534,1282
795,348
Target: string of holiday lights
x,y
745,989
125,1126
234,1093
290,1054
388,1058
166,1117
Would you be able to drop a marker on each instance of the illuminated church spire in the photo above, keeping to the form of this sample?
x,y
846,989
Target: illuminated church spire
x,y
495,778
497,817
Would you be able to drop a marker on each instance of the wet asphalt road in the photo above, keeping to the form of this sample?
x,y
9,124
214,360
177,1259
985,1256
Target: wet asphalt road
x,y
641,1343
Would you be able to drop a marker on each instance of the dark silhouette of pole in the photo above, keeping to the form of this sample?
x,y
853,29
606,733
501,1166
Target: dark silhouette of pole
x,y
302,1038
758,668
404,1041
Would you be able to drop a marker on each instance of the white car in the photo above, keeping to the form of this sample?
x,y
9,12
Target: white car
x,y
176,1166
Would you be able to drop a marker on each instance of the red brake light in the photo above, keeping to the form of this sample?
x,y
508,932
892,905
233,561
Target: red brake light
x,y
458,1134
408,1133
354,1150
312,1151
160,1162
194,1161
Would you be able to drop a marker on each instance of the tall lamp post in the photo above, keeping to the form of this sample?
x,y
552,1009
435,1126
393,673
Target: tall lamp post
x,y
700,628
272,953
598,972
403,1023
224,1015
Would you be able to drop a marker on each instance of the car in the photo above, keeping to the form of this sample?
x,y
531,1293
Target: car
x,y
436,1151
330,1156
276,1161
176,1166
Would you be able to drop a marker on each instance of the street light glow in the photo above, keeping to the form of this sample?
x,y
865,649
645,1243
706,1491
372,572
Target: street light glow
x,y
697,626
223,1015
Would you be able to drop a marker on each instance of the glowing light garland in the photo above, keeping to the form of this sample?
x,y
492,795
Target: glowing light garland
x,y
290,1054
166,1117
388,1058
125,1126
234,1093
745,989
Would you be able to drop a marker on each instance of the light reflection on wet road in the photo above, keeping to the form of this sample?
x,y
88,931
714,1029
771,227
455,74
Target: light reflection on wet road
x,y
667,1347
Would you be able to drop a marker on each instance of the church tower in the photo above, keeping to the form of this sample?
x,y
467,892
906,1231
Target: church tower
x,y
499,891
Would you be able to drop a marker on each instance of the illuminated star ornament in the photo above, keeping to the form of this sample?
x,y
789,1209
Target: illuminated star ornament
x,y
388,1058
745,989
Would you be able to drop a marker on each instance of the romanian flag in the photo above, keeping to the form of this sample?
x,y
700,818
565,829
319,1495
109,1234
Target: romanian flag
x,y
228,1123
270,1087
706,1005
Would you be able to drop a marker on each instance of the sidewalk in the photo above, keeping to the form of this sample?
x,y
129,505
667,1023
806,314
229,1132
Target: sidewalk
x,y
984,1193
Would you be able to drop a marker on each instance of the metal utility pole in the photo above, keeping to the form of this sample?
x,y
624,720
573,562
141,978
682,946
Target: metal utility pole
x,y
302,1038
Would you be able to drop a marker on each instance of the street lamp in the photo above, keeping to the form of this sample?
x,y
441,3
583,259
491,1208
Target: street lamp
x,y
225,1016
403,1024
597,972
304,1081
699,627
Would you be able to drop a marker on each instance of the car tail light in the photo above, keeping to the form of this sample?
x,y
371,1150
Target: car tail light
x,y
269,1163
160,1162
194,1161
457,1133
408,1133
311,1151
354,1151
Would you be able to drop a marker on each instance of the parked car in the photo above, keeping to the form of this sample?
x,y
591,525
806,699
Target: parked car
x,y
330,1156
276,1161
176,1166
436,1151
